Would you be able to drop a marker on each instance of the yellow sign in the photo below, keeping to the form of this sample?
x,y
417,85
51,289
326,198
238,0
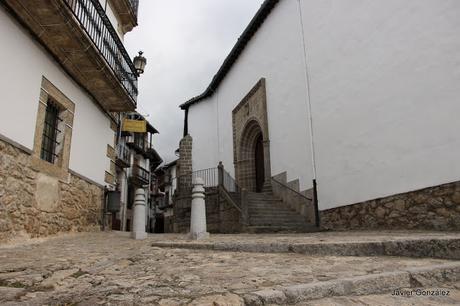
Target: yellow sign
x,y
136,126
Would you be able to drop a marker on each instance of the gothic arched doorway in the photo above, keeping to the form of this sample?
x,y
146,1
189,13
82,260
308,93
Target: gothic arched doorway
x,y
251,145
251,163
259,163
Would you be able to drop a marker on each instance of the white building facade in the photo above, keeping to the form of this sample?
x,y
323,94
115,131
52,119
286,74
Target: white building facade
x,y
61,89
361,96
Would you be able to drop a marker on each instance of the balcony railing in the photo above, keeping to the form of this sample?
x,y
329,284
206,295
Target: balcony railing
x,y
140,174
98,27
134,6
123,155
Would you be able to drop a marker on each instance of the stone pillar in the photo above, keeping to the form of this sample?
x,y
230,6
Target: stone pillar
x,y
139,215
220,174
244,207
268,169
184,164
198,215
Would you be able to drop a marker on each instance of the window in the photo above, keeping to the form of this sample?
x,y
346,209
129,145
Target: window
x,y
50,133
53,132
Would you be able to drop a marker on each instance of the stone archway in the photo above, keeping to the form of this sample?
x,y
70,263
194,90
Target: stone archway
x,y
251,150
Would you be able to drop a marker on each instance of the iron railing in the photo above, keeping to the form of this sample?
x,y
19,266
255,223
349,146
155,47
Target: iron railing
x,y
216,179
295,199
93,19
184,182
134,6
290,190
229,183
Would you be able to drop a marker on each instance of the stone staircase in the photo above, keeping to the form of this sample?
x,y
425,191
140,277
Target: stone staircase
x,y
268,214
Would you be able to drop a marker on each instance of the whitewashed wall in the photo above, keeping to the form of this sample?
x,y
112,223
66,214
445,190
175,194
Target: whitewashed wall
x,y
274,53
23,63
385,91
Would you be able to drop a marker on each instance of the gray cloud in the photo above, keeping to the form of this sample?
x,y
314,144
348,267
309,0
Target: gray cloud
x,y
185,43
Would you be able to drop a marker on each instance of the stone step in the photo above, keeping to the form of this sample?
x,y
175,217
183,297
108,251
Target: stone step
x,y
279,208
273,221
259,212
279,229
279,220
269,213
293,226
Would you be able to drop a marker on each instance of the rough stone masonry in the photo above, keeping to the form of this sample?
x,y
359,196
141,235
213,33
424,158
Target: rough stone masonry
x,y
434,208
33,204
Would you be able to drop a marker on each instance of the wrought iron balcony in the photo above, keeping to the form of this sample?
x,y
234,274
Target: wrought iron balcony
x,y
82,39
97,25
134,6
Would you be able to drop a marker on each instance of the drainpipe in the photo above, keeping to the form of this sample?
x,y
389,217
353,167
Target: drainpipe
x,y
309,115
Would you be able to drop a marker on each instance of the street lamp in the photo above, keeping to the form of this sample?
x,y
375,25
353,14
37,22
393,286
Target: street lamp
x,y
139,63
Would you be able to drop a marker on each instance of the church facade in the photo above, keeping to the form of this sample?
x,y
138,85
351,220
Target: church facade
x,y
359,98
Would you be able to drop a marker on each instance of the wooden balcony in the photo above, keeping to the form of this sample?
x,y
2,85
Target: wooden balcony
x,y
137,142
139,175
81,38
123,156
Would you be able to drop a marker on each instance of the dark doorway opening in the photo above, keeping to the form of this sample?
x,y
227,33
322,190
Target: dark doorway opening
x,y
259,163
159,224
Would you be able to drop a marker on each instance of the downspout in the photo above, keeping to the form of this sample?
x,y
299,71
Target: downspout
x,y
309,115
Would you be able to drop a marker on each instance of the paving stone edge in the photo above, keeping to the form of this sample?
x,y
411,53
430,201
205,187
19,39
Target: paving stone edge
x,y
434,248
421,277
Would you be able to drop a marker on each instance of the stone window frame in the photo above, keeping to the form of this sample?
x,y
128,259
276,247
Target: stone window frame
x,y
60,168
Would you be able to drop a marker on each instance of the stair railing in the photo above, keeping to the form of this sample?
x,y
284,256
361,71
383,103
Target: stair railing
x,y
298,201
221,180
229,188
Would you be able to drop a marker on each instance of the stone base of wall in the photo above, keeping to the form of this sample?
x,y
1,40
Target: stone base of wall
x,y
33,204
221,217
434,208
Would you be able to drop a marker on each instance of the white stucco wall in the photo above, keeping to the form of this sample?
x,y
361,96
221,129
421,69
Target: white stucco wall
x,y
385,78
274,53
385,93
203,129
23,64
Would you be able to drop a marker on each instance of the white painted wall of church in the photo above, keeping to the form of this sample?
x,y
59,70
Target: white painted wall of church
x,y
385,81
23,63
385,91
274,53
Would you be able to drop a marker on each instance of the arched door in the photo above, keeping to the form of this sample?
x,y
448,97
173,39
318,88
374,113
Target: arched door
x,y
259,163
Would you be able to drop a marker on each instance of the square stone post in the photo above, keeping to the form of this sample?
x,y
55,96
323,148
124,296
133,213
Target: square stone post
x,y
244,207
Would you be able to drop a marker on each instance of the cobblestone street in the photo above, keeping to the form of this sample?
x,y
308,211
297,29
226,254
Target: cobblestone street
x,y
110,268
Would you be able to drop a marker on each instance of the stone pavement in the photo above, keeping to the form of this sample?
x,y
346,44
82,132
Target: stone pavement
x,y
111,269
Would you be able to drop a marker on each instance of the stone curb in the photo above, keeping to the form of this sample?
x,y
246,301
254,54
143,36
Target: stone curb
x,y
434,248
361,285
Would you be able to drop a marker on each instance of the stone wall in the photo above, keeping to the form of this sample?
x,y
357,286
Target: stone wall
x,y
434,208
184,164
33,204
221,217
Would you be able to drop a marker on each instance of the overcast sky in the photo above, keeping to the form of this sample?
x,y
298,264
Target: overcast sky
x,y
185,42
